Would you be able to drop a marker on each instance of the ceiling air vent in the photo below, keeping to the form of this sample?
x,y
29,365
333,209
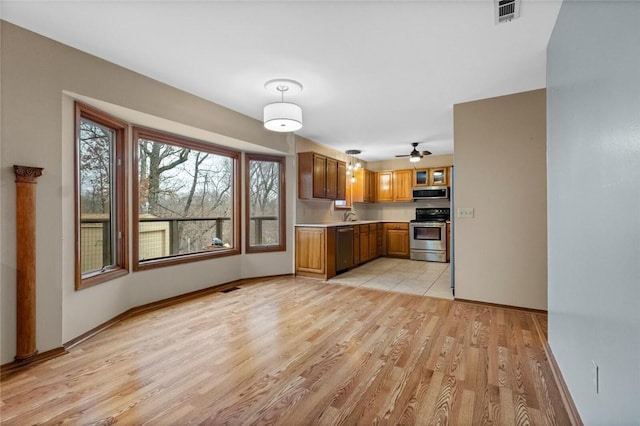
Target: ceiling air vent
x,y
507,10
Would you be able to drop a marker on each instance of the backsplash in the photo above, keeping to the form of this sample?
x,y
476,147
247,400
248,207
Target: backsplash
x,y
323,211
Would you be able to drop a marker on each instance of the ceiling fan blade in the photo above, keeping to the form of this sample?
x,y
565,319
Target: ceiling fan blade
x,y
402,155
426,153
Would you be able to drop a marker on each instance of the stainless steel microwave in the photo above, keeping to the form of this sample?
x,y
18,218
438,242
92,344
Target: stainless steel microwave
x,y
430,192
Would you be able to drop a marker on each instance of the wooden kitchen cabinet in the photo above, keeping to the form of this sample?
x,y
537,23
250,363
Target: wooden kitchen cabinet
x,y
356,245
362,190
421,177
318,177
402,185
439,176
341,184
379,239
396,240
394,186
364,243
331,190
373,241
384,188
436,176
315,252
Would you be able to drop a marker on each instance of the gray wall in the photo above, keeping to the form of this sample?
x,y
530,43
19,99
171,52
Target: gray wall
x,y
593,116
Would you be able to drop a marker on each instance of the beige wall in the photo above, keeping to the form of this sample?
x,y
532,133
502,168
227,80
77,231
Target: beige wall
x,y
404,163
40,79
501,253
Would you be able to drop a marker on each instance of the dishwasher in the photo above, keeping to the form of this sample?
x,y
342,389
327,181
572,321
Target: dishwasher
x,y
344,248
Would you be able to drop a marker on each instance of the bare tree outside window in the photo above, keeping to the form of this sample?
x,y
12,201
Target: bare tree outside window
x,y
95,182
185,198
265,203
101,244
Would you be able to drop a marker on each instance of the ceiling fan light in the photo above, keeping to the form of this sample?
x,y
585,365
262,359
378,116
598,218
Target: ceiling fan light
x,y
282,117
415,156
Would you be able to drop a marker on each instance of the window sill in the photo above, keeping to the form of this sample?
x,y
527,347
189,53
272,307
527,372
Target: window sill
x,y
100,277
186,258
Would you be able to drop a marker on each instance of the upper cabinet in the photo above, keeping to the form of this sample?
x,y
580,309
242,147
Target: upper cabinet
x,y
362,190
394,186
331,188
384,188
436,176
320,176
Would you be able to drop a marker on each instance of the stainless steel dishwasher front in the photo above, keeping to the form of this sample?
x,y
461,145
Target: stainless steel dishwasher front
x,y
344,248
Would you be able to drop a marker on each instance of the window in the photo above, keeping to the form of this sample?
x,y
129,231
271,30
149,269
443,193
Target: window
x,y
186,203
265,203
101,211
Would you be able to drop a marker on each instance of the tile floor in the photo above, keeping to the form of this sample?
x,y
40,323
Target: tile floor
x,y
401,275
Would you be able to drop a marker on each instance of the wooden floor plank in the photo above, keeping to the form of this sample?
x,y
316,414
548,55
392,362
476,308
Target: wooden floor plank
x,y
295,351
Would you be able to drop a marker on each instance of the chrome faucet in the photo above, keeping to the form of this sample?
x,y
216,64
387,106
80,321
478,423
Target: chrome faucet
x,y
346,216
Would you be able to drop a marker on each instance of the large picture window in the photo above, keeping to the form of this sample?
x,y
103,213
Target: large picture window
x,y
101,244
265,203
186,200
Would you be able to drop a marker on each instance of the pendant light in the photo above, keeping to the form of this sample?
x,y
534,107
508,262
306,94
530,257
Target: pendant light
x,y
353,163
283,116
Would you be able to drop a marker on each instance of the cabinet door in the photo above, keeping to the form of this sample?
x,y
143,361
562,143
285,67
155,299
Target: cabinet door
x,y
364,245
319,176
373,244
438,176
397,243
367,187
360,187
331,191
421,177
341,191
384,186
310,250
402,187
379,232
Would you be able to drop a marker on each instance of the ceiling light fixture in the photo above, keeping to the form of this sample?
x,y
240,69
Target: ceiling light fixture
x,y
415,156
283,116
353,163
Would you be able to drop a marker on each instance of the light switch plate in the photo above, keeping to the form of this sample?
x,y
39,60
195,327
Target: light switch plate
x,y
465,213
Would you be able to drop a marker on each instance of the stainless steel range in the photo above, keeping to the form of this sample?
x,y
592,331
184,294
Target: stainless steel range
x,y
429,234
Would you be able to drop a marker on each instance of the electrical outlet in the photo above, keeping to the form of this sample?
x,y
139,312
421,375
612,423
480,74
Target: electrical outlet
x,y
465,212
595,376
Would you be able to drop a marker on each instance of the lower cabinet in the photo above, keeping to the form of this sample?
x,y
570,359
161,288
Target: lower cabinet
x,y
315,252
316,246
364,244
396,240
373,241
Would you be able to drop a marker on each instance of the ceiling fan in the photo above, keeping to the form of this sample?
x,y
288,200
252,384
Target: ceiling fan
x,y
415,155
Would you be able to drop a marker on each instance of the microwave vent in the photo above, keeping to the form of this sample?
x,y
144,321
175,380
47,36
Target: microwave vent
x,y
506,10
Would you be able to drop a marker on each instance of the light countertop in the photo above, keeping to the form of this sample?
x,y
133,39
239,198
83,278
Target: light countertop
x,y
353,222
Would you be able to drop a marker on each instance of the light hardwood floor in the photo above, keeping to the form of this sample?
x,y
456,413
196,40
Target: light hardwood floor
x,y
297,351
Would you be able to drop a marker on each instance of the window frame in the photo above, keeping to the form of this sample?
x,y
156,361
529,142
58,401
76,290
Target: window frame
x,y
120,265
176,140
282,209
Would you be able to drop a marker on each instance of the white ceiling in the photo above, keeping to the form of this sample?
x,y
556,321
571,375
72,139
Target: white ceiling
x,y
377,75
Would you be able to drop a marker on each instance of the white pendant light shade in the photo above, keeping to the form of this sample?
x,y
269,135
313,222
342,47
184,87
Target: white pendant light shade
x,y
282,117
